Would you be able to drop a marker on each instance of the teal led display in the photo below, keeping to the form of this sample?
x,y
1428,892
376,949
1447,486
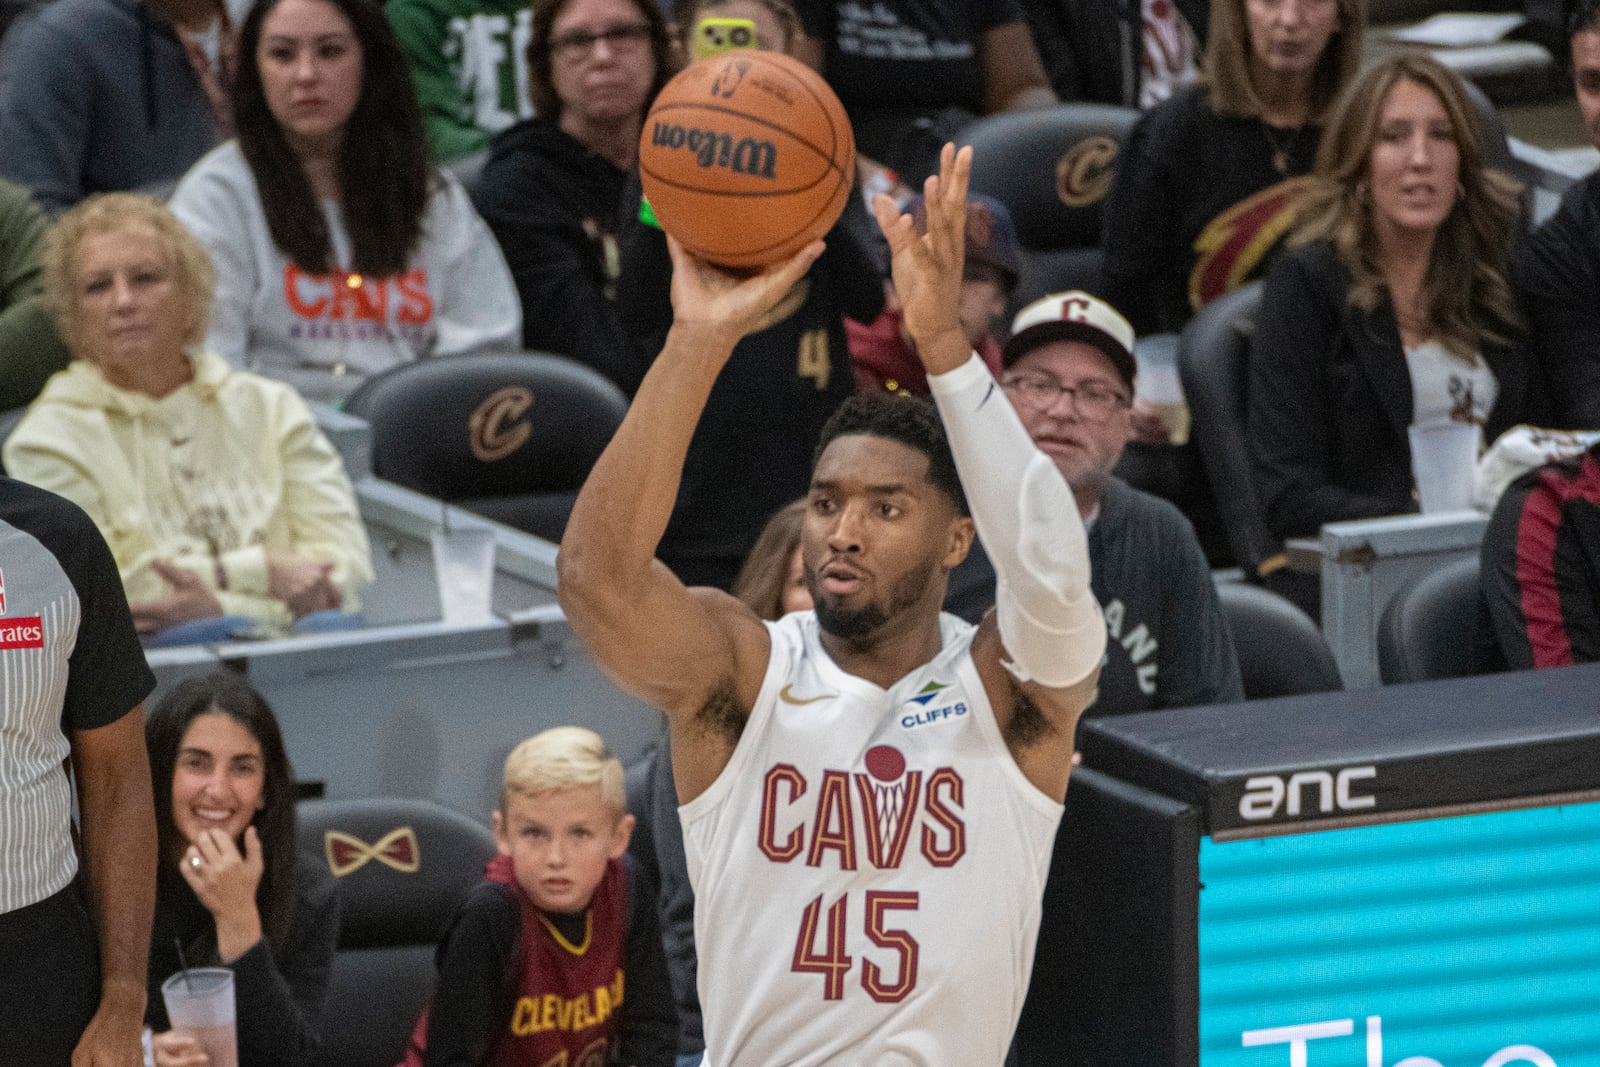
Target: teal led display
x,y
1463,942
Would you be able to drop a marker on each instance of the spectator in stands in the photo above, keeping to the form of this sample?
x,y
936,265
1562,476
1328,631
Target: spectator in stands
x,y
1069,374
883,354
30,348
215,490
1135,54
1392,310
552,188
750,454
340,250
1207,183
470,62
560,916
231,889
772,580
911,73
104,95
1540,568
1557,273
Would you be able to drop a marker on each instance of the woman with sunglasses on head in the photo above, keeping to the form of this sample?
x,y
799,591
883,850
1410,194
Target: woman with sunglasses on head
x,y
552,189
340,250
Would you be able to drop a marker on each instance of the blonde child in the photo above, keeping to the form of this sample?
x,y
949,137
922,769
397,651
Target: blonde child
x,y
556,957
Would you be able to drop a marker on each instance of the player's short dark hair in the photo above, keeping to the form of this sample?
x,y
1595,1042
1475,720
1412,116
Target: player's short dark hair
x,y
1585,15
912,421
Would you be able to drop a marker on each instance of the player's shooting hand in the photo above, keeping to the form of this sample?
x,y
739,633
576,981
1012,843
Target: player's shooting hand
x,y
732,305
927,268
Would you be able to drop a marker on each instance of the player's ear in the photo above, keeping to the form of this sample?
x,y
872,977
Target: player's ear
x,y
621,836
502,839
962,533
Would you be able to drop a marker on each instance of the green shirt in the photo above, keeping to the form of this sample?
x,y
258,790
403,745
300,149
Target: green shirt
x,y
469,60
30,348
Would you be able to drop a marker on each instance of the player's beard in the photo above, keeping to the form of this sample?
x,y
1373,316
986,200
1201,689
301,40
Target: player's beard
x,y
856,625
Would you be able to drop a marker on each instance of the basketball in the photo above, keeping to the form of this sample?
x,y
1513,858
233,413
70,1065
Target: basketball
x,y
747,157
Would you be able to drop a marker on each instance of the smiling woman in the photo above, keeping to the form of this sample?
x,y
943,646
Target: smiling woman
x,y
1394,309
230,889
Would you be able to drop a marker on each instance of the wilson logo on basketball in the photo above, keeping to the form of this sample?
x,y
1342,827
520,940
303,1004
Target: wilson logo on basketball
x,y
1083,175
712,149
497,428
22,633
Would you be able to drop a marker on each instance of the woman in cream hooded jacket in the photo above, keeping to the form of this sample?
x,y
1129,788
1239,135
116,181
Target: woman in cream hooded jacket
x,y
220,474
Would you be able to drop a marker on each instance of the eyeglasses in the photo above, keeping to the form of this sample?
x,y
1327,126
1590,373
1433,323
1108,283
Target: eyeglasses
x,y
580,43
1093,400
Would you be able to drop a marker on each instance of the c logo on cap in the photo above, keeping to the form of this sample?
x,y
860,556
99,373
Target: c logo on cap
x,y
1075,309
1083,174
494,430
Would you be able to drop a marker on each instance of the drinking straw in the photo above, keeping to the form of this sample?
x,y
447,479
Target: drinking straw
x,y
183,964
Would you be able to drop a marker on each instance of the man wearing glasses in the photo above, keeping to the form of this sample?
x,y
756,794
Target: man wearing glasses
x,y
1068,370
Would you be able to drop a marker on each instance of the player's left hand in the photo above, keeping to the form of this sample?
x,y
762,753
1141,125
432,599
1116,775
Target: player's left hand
x,y
706,297
927,269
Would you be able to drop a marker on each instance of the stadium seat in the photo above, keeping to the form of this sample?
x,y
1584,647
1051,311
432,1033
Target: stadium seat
x,y
1437,626
402,868
1052,168
1281,651
1213,362
506,435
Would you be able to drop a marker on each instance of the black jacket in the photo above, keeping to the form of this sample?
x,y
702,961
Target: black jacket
x,y
1183,169
1093,50
1330,399
553,205
1557,278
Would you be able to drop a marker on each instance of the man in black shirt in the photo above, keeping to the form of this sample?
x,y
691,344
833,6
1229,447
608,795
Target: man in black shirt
x,y
1557,274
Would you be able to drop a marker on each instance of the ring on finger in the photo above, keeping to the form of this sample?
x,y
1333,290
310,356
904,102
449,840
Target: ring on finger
x,y
195,861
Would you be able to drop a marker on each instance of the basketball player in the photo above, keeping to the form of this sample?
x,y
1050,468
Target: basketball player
x,y
870,791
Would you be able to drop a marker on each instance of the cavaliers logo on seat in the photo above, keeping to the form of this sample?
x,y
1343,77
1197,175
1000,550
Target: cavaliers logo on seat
x,y
498,428
1083,174
396,849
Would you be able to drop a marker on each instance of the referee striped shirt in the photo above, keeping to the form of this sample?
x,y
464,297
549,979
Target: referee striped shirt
x,y
69,661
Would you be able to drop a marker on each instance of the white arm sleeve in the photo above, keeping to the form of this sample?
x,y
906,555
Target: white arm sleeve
x,y
1049,620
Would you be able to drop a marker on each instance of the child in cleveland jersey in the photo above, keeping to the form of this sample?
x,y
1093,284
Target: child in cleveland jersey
x,y
557,956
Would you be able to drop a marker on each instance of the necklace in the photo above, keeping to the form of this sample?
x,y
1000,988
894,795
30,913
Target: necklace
x,y
1282,150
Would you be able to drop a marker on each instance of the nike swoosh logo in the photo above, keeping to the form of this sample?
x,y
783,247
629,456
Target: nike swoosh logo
x,y
789,698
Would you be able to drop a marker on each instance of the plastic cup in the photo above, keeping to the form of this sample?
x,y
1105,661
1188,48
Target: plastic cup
x,y
1444,456
200,1003
463,561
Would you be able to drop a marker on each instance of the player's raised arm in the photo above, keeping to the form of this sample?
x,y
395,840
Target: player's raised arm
x,y
1051,635
674,647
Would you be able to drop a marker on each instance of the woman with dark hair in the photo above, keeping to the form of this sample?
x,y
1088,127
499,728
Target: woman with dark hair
x,y
552,189
230,888
1207,183
772,581
340,250
1393,309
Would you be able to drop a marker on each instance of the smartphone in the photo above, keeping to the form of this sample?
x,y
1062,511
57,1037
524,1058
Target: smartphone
x,y
714,36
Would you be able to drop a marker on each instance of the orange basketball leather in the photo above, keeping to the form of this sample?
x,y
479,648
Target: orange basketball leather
x,y
746,157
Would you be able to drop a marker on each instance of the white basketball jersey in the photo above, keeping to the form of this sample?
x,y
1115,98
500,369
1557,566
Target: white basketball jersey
x,y
868,869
